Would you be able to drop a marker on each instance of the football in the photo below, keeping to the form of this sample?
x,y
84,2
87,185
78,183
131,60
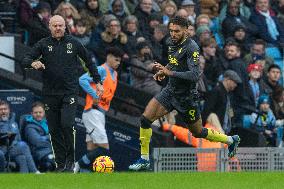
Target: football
x,y
103,164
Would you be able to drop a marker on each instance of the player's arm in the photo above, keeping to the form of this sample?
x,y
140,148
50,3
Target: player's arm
x,y
32,55
85,82
169,66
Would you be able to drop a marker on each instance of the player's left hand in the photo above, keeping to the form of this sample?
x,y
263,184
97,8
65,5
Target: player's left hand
x,y
100,89
159,76
164,70
156,66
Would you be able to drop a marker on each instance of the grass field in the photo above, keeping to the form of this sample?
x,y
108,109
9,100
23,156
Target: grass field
x,y
270,180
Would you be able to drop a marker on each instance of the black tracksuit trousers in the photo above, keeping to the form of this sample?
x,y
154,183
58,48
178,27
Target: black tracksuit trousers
x,y
60,113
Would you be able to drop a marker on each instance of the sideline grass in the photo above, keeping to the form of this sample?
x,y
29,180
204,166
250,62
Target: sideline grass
x,y
270,180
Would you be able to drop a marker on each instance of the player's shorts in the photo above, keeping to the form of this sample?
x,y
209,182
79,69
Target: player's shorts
x,y
94,121
185,104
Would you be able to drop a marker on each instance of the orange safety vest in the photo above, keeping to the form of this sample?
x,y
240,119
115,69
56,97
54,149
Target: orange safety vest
x,y
208,161
109,89
205,161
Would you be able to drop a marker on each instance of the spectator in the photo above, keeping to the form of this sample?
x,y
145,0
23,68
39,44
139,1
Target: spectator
x,y
264,120
37,26
240,98
257,52
169,10
234,18
212,68
130,28
202,84
277,105
96,32
243,9
224,63
104,6
143,63
112,36
154,20
69,13
218,110
240,36
19,151
59,62
142,12
189,6
159,46
91,13
182,13
203,19
117,8
267,23
271,82
191,32
36,134
256,90
82,33
203,33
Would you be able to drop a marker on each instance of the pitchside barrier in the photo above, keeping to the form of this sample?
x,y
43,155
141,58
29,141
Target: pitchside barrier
x,y
198,160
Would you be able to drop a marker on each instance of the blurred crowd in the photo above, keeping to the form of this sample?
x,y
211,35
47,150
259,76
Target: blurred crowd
x,y
246,36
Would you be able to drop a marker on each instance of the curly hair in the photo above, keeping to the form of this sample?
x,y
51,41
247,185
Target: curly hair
x,y
179,21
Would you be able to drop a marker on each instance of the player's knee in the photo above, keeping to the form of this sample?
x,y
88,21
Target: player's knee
x,y
201,134
145,123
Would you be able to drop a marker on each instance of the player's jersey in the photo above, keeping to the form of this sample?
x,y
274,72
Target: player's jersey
x,y
184,62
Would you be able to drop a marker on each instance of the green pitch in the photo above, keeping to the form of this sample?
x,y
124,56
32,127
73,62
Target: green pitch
x,y
269,180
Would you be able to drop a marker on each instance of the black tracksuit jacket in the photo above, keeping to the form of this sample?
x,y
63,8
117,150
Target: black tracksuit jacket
x,y
61,60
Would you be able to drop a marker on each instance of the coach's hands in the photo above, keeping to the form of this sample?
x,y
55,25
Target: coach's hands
x,y
38,65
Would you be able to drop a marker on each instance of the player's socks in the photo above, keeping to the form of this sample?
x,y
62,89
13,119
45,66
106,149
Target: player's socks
x,y
88,158
145,137
215,136
146,157
230,140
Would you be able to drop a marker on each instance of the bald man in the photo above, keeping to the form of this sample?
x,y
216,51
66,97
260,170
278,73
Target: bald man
x,y
57,56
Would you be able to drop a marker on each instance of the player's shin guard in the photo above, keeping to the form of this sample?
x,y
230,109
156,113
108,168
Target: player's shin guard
x,y
215,136
90,157
145,137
